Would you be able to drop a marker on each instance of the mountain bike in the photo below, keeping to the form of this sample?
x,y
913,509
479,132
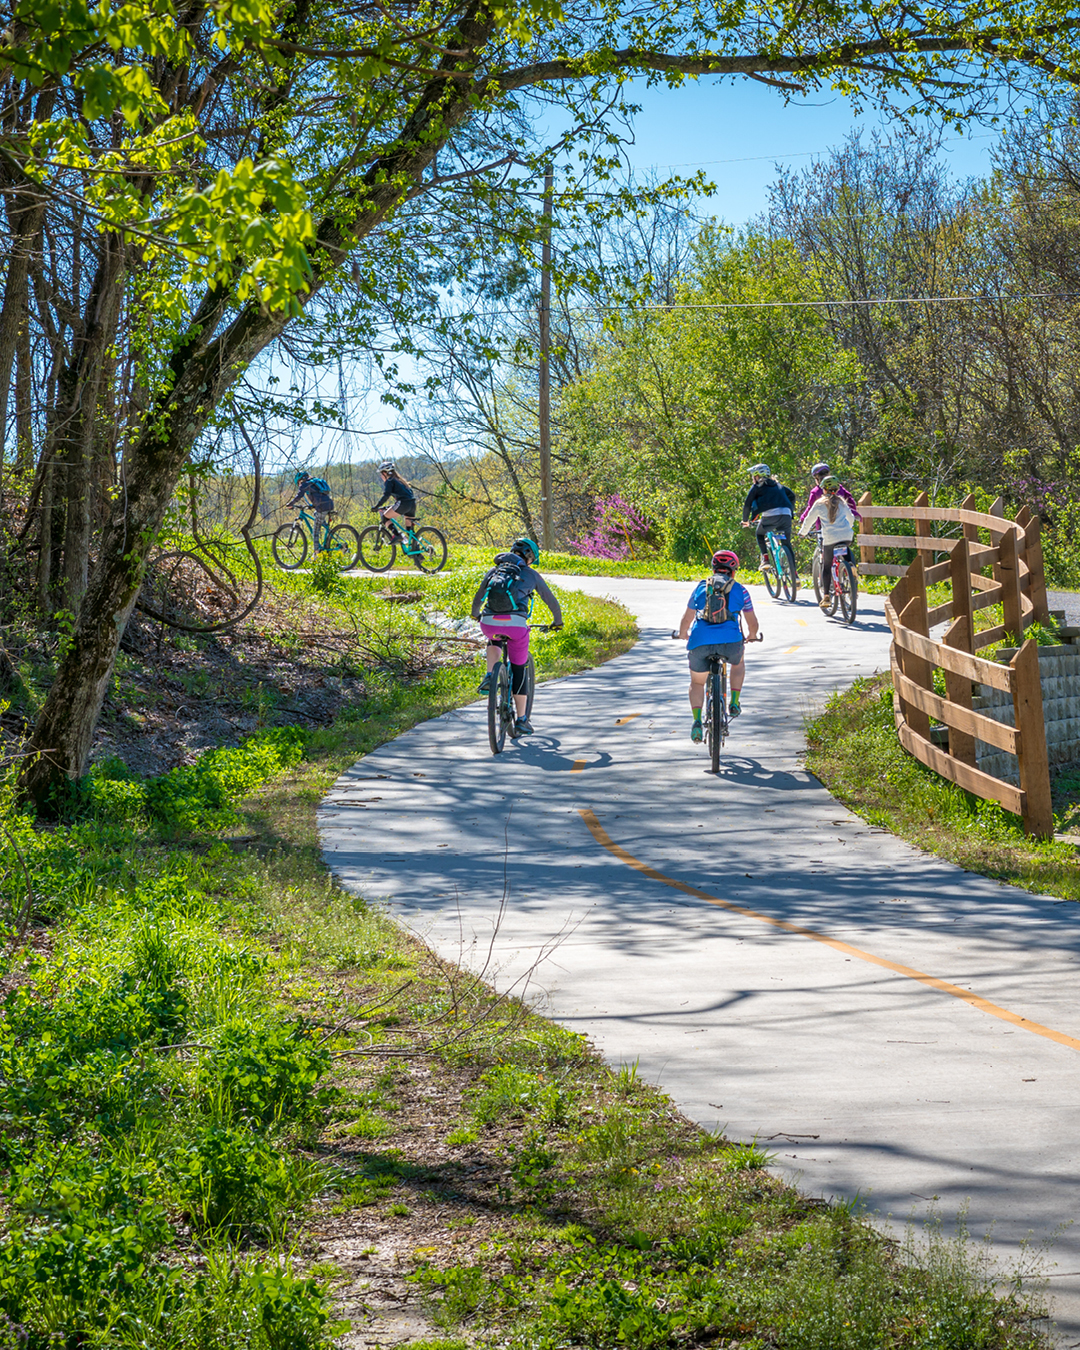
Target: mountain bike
x,y
379,545
715,716
501,713
289,544
779,572
843,591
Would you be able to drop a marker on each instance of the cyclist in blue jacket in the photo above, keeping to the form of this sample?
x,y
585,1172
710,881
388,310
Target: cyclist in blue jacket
x,y
718,639
771,505
317,492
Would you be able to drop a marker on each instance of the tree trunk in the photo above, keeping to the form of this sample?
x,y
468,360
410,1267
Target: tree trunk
x,y
24,398
26,230
80,389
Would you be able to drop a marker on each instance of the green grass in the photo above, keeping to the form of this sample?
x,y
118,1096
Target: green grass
x,y
207,1051
854,751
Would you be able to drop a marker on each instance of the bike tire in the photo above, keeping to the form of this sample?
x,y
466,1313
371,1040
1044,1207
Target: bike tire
x,y
498,693
716,719
849,593
772,581
834,594
432,549
815,568
790,578
377,553
530,686
344,542
289,546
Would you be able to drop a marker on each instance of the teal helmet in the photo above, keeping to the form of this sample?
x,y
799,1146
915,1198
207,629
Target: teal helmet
x,y
301,477
527,546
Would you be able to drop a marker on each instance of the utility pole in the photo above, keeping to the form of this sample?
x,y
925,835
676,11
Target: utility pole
x,y
547,527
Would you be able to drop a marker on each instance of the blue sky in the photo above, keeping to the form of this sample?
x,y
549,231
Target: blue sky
x,y
739,132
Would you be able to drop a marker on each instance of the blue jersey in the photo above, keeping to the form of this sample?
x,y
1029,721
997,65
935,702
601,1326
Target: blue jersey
x,y
702,633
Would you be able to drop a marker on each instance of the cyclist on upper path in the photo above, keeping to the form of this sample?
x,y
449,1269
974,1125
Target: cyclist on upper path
x,y
503,603
317,492
836,520
772,505
399,492
819,472
719,634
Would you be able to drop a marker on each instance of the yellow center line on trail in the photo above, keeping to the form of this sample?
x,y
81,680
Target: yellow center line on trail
x,y
801,622
931,981
622,721
792,649
579,764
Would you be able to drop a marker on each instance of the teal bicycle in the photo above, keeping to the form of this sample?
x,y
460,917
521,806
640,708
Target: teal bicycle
x,y
290,543
779,572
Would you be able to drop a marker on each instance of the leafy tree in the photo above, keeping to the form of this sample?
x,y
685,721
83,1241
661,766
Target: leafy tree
x,y
679,402
183,181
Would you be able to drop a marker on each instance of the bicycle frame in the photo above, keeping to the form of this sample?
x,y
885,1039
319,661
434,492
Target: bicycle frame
x,y
502,714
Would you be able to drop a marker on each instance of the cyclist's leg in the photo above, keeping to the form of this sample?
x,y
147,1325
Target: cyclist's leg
x,y
826,573
318,531
761,530
699,675
784,531
517,653
734,654
493,652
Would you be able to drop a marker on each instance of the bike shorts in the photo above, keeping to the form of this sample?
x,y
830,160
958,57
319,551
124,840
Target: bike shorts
x,y
518,650
732,652
403,507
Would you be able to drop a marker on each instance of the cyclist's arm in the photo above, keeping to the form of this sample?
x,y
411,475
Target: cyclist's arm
x,y
687,623
810,518
295,501
387,494
748,504
815,493
751,625
478,599
545,594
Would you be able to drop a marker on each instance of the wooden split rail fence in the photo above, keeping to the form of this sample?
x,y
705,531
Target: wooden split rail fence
x,y
1011,552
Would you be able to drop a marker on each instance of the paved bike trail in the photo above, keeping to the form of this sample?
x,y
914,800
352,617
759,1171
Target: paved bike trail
x,y
888,1024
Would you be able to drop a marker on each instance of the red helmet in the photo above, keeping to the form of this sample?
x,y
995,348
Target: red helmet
x,y
723,560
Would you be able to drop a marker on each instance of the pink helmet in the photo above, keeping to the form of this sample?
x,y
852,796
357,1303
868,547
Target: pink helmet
x,y
723,560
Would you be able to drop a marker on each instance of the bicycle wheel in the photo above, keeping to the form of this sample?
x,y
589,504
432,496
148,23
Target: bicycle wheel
x,y
498,698
344,543
789,576
834,592
530,686
849,592
815,568
431,555
772,581
289,546
377,552
716,718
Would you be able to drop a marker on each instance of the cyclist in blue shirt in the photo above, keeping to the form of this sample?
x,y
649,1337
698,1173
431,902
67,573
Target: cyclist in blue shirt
x,y
718,639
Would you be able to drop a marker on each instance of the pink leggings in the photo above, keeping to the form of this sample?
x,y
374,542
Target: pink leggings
x,y
518,650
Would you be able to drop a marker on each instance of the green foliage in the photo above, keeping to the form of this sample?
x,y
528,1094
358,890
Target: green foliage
x,y
510,1091
196,799
267,1074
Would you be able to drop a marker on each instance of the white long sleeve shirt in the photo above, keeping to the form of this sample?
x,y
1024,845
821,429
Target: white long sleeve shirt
x,y
838,531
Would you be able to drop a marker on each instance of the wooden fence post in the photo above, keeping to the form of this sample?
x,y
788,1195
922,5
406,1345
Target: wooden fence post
x,y
1031,751
1036,571
923,528
958,634
916,668
867,555
971,532
1009,573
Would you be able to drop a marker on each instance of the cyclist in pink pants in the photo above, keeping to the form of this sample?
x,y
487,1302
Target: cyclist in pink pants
x,y
503,603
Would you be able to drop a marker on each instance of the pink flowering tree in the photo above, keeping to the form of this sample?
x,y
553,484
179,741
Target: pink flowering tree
x,y
617,528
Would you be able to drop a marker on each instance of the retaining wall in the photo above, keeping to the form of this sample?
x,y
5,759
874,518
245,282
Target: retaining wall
x,y
1059,676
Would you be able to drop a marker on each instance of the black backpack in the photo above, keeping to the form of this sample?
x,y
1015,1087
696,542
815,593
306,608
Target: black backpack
x,y
715,606
499,597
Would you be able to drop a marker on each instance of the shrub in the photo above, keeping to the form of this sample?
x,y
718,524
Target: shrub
x,y
267,1074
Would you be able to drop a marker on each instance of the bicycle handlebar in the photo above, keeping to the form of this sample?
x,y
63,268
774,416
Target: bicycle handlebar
x,y
760,637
